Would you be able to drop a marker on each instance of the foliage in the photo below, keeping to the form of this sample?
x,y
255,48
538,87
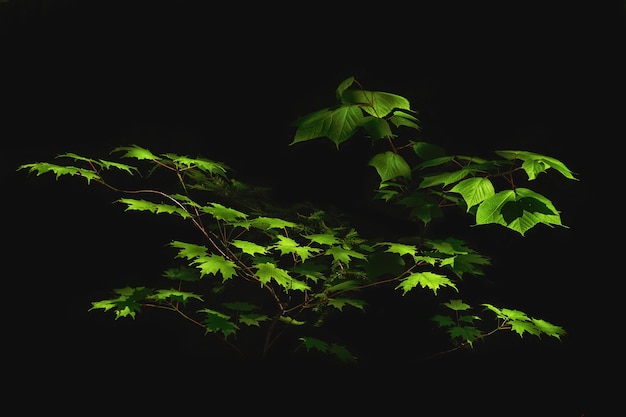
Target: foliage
x,y
276,272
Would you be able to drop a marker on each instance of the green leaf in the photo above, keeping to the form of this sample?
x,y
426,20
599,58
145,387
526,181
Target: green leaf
x,y
474,190
249,247
203,164
445,178
175,295
443,321
468,334
44,167
156,208
291,320
287,245
218,322
339,303
340,254
399,248
266,223
136,152
220,212
427,151
343,285
376,103
338,124
457,305
534,163
182,273
268,271
212,264
402,118
342,353
189,251
313,343
425,279
252,319
127,303
549,328
509,208
523,326
323,239
390,165
377,128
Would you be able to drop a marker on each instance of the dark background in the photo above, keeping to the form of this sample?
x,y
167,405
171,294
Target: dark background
x,y
226,81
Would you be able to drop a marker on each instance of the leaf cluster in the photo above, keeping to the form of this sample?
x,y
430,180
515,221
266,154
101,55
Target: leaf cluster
x,y
282,272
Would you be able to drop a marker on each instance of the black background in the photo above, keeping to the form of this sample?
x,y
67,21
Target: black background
x,y
226,81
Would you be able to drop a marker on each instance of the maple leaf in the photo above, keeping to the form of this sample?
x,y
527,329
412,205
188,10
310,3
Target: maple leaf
x,y
549,328
122,167
425,279
323,239
457,305
175,295
58,170
288,245
212,264
252,319
144,205
266,223
189,250
136,152
312,271
468,334
221,212
399,248
342,353
218,322
127,302
467,264
514,314
313,343
340,254
521,326
182,273
203,164
443,321
249,247
267,271
339,303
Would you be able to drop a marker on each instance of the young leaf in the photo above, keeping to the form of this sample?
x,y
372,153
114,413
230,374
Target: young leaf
x,y
425,279
175,295
249,247
268,271
136,152
212,264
